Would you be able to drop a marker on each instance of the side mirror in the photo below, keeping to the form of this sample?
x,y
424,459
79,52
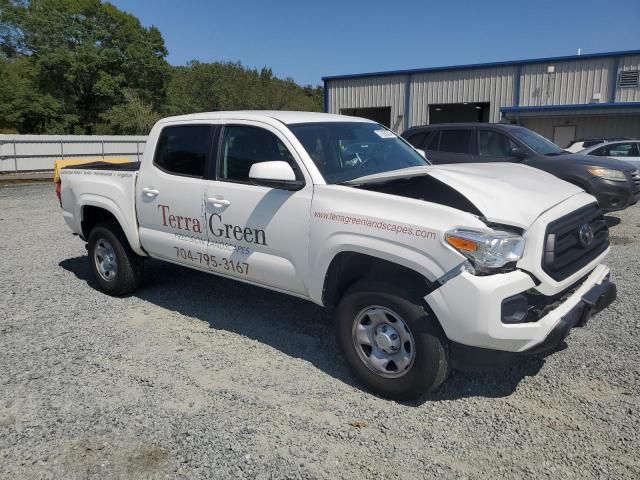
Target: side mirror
x,y
422,152
518,153
275,174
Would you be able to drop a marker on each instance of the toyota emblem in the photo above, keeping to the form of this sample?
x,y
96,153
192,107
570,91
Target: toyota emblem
x,y
585,234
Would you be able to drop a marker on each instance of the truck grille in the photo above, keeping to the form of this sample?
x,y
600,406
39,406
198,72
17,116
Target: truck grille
x,y
635,175
571,242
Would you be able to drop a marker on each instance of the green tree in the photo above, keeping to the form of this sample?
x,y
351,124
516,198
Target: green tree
x,y
23,107
84,54
231,86
133,117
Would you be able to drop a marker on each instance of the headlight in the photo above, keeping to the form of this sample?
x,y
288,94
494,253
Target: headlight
x,y
487,251
608,174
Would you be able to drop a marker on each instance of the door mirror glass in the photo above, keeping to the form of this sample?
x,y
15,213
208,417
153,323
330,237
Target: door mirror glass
x,y
275,174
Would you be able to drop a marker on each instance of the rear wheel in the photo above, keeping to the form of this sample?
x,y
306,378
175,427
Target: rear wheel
x,y
116,267
392,344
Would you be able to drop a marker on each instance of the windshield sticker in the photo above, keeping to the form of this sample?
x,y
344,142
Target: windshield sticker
x,y
385,133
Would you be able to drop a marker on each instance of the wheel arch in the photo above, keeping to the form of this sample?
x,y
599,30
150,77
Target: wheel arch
x,y
95,209
348,267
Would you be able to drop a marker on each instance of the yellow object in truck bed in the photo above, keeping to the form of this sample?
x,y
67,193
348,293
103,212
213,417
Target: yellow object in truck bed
x,y
60,164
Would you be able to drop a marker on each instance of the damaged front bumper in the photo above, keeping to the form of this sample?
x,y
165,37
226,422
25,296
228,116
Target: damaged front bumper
x,y
471,311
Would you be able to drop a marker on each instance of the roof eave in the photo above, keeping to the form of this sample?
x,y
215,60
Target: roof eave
x,y
474,66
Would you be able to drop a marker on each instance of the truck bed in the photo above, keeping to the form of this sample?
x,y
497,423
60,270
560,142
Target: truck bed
x,y
110,186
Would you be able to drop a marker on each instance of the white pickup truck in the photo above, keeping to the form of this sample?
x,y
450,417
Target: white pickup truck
x,y
428,267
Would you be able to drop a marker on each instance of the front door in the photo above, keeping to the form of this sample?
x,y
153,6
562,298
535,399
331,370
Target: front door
x,y
257,233
495,147
170,195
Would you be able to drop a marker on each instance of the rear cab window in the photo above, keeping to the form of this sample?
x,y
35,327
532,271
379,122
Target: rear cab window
x,y
184,150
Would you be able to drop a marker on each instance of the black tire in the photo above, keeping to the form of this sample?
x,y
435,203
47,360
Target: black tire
x,y
430,366
129,269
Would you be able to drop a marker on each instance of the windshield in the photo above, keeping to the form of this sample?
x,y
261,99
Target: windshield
x,y
536,142
344,151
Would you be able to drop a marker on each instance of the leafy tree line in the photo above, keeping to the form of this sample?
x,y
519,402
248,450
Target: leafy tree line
x,y
86,67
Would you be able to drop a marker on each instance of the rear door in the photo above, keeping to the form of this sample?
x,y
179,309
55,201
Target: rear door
x,y
170,194
451,146
257,233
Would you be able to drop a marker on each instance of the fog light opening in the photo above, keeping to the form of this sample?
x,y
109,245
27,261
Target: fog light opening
x,y
515,309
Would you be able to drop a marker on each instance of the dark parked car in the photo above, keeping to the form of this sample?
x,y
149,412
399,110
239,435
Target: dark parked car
x,y
614,183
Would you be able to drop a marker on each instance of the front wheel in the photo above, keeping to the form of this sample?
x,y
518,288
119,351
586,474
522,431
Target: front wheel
x,y
392,344
116,267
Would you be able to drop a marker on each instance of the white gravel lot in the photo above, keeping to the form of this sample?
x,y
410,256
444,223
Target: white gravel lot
x,y
196,376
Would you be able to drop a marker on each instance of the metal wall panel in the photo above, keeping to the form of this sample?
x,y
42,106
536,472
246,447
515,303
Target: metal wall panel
x,y
628,94
594,126
494,85
369,92
575,81
38,152
572,82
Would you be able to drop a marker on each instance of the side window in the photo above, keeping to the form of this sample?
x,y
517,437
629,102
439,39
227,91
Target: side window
x,y
243,146
417,139
455,141
432,144
600,152
623,150
494,144
183,150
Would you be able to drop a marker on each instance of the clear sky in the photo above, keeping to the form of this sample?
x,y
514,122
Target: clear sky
x,y
307,40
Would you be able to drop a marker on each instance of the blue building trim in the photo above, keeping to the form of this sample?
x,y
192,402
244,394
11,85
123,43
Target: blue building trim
x,y
578,106
325,93
407,102
613,86
485,65
516,87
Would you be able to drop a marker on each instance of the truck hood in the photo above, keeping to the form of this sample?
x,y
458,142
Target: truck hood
x,y
506,193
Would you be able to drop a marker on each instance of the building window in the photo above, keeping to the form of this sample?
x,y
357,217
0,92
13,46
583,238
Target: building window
x,y
630,79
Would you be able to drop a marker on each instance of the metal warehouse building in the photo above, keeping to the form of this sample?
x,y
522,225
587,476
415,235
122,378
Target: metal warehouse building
x,y
563,98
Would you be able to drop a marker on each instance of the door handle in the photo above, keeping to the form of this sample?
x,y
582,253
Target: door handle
x,y
150,192
218,202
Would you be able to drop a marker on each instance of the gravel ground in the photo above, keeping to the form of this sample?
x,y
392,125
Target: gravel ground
x,y
196,376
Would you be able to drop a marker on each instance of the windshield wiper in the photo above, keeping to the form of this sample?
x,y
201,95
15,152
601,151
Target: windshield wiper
x,y
553,154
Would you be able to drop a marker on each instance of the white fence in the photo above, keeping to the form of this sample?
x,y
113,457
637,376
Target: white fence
x,y
29,153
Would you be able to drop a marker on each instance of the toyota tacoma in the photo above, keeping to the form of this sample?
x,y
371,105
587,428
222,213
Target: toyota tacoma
x,y
428,267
